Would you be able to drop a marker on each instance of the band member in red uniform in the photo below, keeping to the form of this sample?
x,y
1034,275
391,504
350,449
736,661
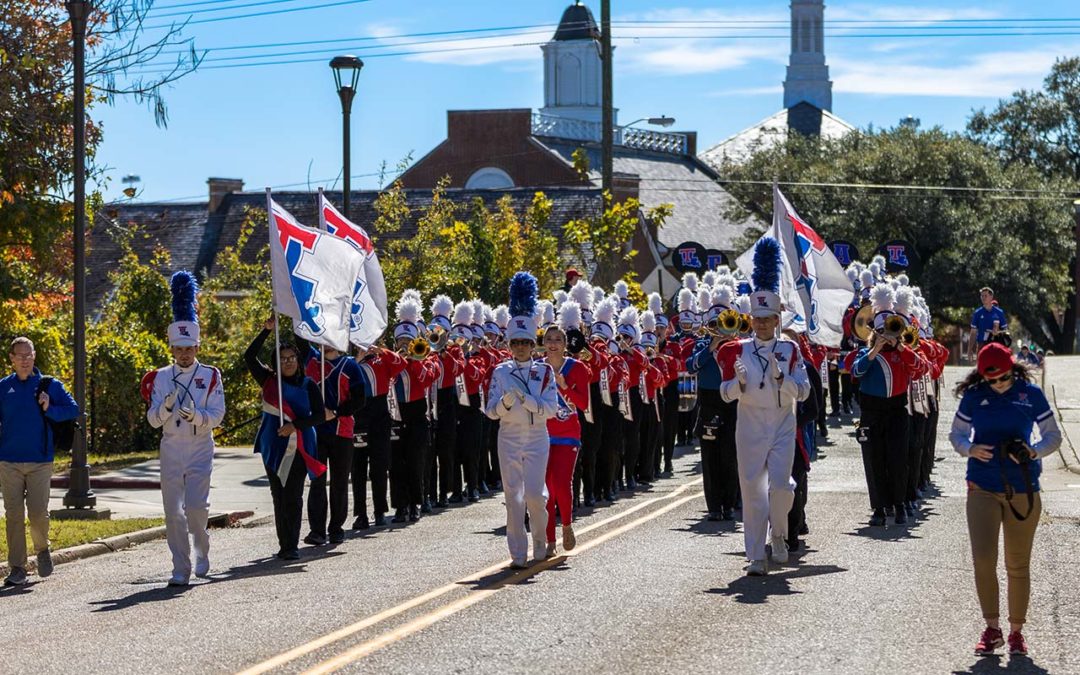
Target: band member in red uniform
x,y
630,353
380,367
564,429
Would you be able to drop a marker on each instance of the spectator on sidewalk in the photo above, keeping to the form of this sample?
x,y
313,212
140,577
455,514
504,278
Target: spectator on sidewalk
x,y
29,403
986,322
999,409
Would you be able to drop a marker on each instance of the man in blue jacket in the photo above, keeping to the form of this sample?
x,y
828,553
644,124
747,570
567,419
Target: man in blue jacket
x,y
26,456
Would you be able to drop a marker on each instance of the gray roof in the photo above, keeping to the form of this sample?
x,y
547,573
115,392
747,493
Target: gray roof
x,y
684,181
194,237
577,23
803,118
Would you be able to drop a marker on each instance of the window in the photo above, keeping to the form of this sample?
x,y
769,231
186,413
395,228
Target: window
x,y
489,178
568,80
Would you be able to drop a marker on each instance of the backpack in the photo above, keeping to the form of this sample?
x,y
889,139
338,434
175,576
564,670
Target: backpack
x,y
63,432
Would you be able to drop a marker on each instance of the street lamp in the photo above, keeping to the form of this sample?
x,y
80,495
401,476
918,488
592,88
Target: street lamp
x,y
662,121
79,494
346,75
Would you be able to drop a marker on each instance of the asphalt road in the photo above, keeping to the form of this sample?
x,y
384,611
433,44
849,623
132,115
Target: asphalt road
x,y
652,587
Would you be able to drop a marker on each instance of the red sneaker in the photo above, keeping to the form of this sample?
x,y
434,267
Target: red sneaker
x,y
1016,643
991,639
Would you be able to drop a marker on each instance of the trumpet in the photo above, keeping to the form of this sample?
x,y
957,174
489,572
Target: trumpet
x,y
418,348
650,352
584,355
910,337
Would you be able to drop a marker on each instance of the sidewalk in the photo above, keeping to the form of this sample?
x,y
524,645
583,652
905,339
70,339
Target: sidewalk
x,y
238,483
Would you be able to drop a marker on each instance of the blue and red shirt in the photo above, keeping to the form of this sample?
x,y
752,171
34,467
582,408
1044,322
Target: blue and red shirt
x,y
889,373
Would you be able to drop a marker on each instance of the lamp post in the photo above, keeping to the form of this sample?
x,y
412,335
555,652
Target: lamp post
x,y
662,121
346,75
79,494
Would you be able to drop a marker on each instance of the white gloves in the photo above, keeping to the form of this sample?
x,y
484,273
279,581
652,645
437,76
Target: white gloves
x,y
777,372
740,371
508,398
170,400
187,414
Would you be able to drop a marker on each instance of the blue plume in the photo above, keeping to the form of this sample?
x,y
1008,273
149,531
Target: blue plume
x,y
184,287
523,293
766,276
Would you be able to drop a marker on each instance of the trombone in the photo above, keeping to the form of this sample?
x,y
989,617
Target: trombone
x,y
910,337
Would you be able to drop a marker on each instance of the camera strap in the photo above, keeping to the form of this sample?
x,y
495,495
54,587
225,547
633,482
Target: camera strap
x,y
1009,492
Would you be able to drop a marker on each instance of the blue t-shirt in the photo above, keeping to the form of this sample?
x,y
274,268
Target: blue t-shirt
x,y
997,419
983,322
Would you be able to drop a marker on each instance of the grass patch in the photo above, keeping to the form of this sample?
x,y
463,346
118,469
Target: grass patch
x,y
68,533
100,463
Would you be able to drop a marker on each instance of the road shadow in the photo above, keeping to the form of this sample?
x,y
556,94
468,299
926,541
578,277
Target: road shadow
x,y
708,528
262,567
157,594
12,591
261,481
996,663
757,590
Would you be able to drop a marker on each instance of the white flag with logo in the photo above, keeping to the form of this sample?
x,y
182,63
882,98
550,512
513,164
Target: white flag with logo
x,y
813,285
368,309
313,278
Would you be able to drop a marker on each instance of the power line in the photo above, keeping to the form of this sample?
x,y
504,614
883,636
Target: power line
x,y
260,14
222,9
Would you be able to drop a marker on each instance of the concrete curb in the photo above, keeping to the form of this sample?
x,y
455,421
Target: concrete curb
x,y
122,541
110,482
1075,465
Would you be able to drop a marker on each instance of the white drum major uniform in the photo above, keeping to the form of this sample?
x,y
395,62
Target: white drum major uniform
x,y
186,401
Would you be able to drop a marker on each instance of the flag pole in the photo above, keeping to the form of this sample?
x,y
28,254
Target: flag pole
x,y
273,309
322,349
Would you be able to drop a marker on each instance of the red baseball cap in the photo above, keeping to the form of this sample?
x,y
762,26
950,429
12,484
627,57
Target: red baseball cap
x,y
571,273
994,360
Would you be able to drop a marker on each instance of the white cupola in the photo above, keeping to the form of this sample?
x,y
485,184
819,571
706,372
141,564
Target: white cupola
x,y
572,68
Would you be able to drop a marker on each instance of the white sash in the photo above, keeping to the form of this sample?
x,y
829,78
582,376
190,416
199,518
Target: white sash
x,y
624,402
462,392
642,385
392,403
605,387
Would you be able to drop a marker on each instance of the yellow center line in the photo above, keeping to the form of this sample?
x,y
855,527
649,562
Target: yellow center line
x,y
364,624
420,623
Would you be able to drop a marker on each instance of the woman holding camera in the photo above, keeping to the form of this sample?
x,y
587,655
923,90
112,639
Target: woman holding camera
x,y
993,427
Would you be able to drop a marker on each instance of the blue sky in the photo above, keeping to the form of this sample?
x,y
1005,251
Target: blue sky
x,y
281,124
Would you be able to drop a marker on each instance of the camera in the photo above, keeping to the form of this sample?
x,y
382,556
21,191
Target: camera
x,y
1017,450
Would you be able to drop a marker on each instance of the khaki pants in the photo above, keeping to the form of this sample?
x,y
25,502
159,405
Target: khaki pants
x,y
988,513
25,483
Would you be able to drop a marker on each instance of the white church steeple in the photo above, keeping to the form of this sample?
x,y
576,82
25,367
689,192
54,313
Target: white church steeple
x,y
572,68
807,73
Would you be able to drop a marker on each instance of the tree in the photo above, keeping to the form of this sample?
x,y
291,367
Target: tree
x,y
36,113
1041,129
605,239
965,239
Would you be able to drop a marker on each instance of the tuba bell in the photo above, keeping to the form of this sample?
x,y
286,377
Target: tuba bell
x,y
728,322
894,325
863,323
744,324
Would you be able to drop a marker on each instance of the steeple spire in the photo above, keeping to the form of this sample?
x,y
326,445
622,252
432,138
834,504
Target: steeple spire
x,y
807,73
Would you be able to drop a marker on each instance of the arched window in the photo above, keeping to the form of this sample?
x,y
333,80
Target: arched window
x,y
568,80
489,178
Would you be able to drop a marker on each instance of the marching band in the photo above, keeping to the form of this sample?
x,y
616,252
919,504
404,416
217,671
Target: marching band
x,y
575,400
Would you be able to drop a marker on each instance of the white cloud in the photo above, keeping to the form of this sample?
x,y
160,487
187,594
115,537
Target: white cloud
x,y
995,74
693,57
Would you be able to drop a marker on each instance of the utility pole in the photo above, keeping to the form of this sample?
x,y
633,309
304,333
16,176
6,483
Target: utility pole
x,y
607,139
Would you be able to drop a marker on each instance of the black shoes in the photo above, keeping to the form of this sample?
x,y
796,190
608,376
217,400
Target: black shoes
x,y
442,503
425,507
474,496
456,498
901,517
337,537
380,520
315,539
878,519
414,514
589,502
361,523
400,516
289,555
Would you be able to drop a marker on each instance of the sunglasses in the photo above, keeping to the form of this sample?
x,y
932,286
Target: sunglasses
x,y
522,343
1000,380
